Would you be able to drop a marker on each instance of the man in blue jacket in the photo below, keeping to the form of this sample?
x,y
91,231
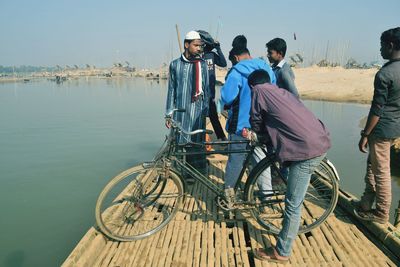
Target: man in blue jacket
x,y
236,95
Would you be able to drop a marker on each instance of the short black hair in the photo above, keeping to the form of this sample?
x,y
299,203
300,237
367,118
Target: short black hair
x,y
258,77
392,36
277,44
239,47
239,41
237,51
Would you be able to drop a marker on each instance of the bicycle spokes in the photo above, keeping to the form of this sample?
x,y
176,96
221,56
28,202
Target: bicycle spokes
x,y
139,204
319,202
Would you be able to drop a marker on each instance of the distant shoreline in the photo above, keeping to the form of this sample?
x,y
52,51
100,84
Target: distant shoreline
x,y
334,84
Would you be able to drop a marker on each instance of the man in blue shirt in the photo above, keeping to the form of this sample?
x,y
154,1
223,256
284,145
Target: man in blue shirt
x,y
236,95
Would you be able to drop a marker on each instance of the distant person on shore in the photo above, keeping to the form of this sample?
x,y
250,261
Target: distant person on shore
x,y
236,96
213,55
276,49
188,88
298,137
382,128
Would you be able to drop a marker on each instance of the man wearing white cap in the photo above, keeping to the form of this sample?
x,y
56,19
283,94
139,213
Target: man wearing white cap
x,y
188,89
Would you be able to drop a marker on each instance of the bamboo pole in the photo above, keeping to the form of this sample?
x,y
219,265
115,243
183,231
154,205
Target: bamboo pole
x,y
326,52
383,233
179,38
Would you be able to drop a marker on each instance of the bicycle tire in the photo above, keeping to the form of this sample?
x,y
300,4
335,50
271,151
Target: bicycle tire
x,y
138,208
315,210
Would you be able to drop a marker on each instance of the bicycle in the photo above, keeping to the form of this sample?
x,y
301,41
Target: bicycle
x,y
143,199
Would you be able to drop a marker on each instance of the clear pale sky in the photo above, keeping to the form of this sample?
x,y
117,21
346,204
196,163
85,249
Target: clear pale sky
x,y
143,32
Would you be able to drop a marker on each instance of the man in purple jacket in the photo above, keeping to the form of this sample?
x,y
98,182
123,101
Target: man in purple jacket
x,y
298,138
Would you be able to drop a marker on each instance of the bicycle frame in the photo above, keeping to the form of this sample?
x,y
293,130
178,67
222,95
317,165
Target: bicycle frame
x,y
174,152
204,179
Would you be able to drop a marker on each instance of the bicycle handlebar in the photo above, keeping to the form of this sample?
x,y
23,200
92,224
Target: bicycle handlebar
x,y
176,124
172,111
196,131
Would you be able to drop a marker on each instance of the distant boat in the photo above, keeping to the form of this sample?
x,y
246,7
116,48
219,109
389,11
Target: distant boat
x,y
156,76
60,79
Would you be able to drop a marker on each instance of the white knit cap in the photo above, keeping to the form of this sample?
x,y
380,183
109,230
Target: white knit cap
x,y
192,35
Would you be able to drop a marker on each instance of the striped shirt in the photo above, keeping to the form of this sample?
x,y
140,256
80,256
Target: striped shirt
x,y
180,88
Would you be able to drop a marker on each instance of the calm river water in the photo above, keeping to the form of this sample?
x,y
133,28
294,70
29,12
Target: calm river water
x,y
60,144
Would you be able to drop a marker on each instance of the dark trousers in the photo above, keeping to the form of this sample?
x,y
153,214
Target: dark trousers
x,y
213,115
198,161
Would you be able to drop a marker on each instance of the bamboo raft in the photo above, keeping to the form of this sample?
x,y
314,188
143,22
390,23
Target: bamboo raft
x,y
204,236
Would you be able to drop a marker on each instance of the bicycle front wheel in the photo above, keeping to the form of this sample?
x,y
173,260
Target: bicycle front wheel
x,y
320,200
138,203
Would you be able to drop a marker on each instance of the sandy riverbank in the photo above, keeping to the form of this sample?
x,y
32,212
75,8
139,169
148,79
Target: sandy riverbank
x,y
332,84
336,84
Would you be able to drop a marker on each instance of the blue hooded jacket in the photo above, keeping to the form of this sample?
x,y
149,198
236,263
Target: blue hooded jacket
x,y
236,93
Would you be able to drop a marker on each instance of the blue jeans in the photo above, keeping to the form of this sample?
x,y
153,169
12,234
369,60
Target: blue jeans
x,y
297,184
236,161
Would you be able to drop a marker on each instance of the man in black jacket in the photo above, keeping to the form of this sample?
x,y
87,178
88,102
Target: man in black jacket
x,y
213,56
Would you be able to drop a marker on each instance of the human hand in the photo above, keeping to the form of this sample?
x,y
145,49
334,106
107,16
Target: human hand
x,y
363,144
168,123
249,135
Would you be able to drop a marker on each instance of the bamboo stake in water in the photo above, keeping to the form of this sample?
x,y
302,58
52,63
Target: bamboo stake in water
x,y
179,38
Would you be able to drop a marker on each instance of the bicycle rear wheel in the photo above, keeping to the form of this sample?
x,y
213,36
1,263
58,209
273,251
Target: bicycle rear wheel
x,y
320,200
138,203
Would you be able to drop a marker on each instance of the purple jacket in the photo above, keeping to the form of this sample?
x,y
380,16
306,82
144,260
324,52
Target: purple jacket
x,y
295,133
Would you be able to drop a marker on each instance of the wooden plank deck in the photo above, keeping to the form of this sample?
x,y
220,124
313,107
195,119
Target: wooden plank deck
x,y
205,236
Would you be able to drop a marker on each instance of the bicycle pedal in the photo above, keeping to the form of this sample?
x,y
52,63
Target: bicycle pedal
x,y
224,205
